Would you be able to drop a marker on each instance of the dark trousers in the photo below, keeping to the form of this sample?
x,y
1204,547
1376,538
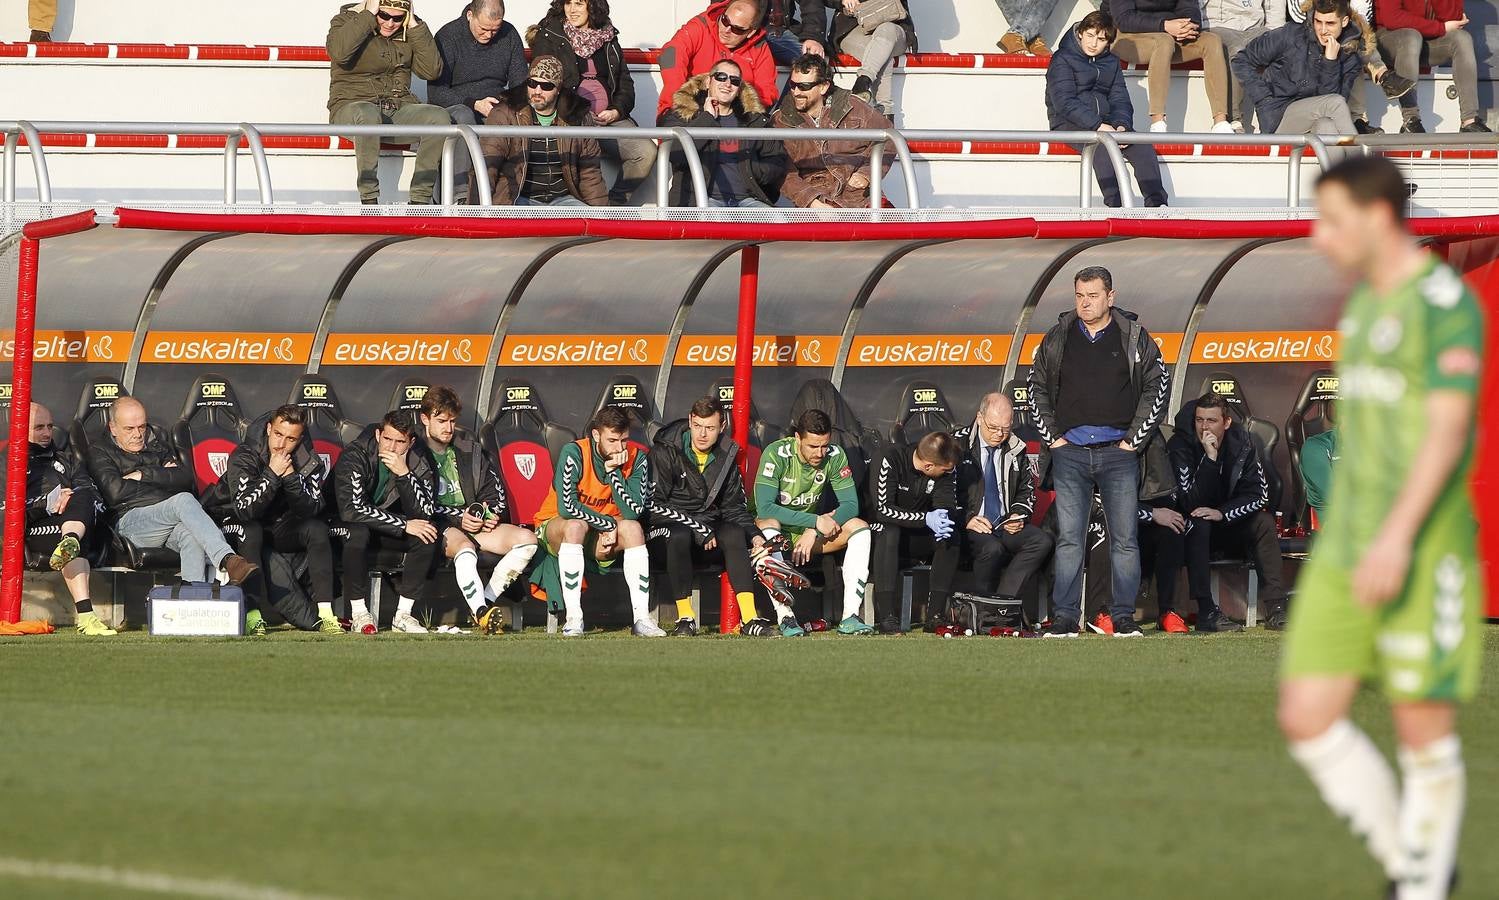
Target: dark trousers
x,y
1002,561
43,531
892,545
1114,473
1162,554
676,551
1147,166
356,560
292,535
1253,536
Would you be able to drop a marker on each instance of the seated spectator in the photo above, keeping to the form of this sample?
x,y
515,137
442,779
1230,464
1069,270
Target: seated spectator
x,y
43,16
61,508
1157,33
471,507
1317,456
1085,92
1237,22
580,35
1394,86
998,495
730,29
375,47
795,476
482,58
794,27
875,41
140,482
739,173
823,174
916,516
1433,33
272,488
387,504
559,171
699,509
1221,489
1299,77
1026,18
592,518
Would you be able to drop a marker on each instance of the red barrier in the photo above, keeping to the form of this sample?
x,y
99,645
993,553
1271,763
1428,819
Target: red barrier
x,y
744,350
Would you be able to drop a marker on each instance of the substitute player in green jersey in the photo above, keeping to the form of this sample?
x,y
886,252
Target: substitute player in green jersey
x,y
795,474
1391,592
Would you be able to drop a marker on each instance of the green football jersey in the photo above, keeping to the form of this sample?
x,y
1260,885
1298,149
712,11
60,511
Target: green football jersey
x,y
449,486
789,490
1425,336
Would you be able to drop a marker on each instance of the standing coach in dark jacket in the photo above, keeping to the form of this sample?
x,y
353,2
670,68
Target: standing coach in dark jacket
x,y
1085,92
1222,490
699,505
996,485
1097,391
1299,76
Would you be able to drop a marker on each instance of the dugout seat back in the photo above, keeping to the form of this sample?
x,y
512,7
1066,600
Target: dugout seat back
x,y
210,427
1314,413
91,418
761,432
923,410
327,427
409,394
525,444
629,394
860,444
1264,433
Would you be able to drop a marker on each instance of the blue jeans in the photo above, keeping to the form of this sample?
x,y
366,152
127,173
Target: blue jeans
x,y
1115,473
741,203
784,47
1026,17
180,523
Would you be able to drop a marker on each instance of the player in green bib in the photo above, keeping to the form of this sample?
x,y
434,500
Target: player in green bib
x,y
795,475
1391,594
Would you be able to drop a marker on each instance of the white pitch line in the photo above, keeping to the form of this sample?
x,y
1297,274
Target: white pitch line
x,y
155,882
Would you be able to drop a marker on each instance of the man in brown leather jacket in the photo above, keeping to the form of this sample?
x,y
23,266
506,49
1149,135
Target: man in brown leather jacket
x,y
547,171
827,173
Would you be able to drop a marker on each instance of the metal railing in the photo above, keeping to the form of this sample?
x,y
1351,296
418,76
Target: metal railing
x,y
250,137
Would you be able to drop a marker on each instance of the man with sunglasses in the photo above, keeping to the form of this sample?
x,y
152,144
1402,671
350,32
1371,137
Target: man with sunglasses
x,y
375,47
543,171
730,29
826,174
739,173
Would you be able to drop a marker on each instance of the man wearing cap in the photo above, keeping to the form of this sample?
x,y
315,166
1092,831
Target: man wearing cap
x,y
375,46
543,171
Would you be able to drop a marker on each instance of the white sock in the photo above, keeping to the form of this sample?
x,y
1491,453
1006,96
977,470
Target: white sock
x,y
638,579
855,573
404,605
360,607
325,610
570,567
466,572
1358,785
770,533
510,568
782,611
1431,816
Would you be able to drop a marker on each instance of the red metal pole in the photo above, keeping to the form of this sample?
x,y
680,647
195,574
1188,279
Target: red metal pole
x,y
14,559
744,349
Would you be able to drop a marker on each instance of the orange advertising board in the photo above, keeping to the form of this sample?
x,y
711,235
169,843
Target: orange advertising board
x,y
929,350
583,350
782,350
406,349
227,348
71,346
1265,347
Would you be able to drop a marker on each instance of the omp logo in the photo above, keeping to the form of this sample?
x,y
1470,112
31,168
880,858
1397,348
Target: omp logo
x,y
525,464
1021,394
415,393
1223,387
5,390
1327,383
314,392
1265,347
769,350
517,394
726,393
382,349
215,390
106,391
924,396
626,391
228,347
928,349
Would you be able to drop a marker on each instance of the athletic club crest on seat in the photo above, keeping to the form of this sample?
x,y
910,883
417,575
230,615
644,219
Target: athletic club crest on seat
x,y
525,463
219,463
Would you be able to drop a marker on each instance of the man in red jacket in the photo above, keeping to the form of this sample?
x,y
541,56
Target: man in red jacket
x,y
1434,32
730,29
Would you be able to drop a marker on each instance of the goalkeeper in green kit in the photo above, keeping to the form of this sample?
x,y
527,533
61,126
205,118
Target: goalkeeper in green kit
x,y
1392,592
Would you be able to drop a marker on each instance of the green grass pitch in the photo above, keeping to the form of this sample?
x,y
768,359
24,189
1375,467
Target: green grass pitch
x,y
615,767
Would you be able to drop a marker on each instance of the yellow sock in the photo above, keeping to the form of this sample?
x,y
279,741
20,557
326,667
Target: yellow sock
x,y
684,608
747,606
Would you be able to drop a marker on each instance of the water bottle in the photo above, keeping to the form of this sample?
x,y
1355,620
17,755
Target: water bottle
x,y
817,625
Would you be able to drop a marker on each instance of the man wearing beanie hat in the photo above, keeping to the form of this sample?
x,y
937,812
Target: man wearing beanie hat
x,y
375,46
543,171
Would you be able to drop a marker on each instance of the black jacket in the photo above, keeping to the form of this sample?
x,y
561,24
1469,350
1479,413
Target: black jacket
x,y
1150,16
477,477
762,164
1157,481
608,63
1285,65
108,464
250,492
806,20
1016,464
1147,377
357,472
1083,92
903,495
700,500
1235,485
47,468
843,24
472,71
